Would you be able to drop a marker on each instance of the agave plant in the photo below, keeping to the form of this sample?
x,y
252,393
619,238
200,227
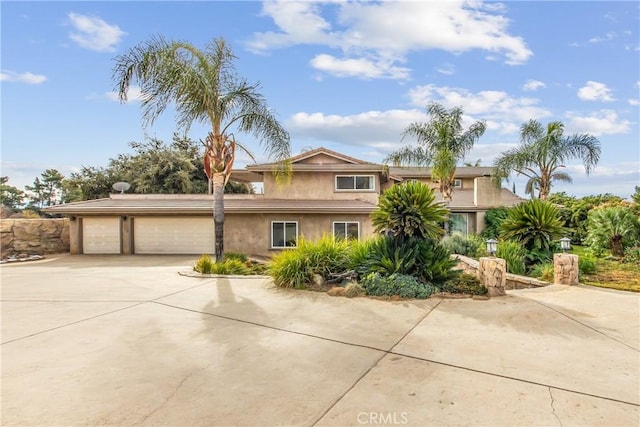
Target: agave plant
x,y
535,224
409,210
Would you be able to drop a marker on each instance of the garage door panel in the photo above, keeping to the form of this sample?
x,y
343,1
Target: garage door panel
x,y
165,235
101,235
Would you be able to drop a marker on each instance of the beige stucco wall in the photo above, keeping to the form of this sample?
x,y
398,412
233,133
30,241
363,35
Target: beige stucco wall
x,y
251,233
486,193
316,185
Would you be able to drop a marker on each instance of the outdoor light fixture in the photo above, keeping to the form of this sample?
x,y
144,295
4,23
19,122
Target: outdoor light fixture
x,y
492,245
565,244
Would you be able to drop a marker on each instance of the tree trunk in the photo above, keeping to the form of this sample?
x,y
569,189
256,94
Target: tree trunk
x,y
616,246
218,214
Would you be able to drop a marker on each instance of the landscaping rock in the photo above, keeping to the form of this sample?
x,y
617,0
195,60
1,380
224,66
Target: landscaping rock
x,y
336,291
318,280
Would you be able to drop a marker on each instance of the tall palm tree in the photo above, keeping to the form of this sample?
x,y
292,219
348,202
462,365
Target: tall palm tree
x,y
203,87
541,155
442,143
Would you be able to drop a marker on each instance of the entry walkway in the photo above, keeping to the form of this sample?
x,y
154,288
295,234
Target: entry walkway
x,y
98,340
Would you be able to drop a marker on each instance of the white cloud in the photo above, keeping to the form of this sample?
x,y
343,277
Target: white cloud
x,y
27,77
533,85
371,128
595,91
603,122
607,37
361,68
497,107
446,69
94,33
388,31
134,94
634,102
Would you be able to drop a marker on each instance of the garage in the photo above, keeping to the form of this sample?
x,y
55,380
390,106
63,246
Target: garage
x,y
173,235
101,235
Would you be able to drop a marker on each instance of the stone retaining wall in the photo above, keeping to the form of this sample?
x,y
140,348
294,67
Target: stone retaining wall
x,y
513,281
33,236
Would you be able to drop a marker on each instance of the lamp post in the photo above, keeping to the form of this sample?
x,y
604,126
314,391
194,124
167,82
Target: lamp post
x,y
565,244
492,245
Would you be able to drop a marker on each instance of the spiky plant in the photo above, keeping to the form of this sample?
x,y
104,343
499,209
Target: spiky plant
x,y
612,228
535,224
409,210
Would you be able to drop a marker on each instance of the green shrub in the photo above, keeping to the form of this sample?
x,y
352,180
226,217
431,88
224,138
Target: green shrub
x,y
464,284
586,265
514,254
471,245
358,253
535,224
236,255
492,220
409,210
204,264
543,272
294,268
402,285
426,260
632,255
231,266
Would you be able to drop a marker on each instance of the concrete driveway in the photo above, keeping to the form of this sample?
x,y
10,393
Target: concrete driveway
x,y
126,340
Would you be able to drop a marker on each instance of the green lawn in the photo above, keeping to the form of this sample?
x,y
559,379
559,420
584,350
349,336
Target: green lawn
x,y
610,273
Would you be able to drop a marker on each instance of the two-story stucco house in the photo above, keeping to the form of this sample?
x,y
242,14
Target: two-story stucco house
x,y
329,193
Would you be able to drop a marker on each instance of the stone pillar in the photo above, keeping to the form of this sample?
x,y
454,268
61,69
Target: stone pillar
x,y
565,269
492,273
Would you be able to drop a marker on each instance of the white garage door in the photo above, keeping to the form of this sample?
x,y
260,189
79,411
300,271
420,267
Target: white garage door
x,y
101,235
173,235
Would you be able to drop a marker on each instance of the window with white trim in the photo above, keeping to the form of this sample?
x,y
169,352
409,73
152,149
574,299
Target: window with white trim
x,y
346,230
284,234
355,182
457,183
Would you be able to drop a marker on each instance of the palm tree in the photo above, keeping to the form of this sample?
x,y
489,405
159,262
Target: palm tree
x,y
541,155
203,87
614,228
441,145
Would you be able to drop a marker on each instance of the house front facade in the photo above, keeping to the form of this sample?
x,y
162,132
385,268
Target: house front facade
x,y
328,193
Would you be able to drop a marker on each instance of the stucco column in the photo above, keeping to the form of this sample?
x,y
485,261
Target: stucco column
x,y
492,273
565,269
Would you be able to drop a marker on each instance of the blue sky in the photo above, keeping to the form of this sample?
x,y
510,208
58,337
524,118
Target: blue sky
x,y
349,76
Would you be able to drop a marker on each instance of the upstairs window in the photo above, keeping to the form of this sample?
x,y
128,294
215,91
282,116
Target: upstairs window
x,y
355,182
346,230
457,183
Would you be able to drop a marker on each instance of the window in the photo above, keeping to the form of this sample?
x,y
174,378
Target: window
x,y
284,234
459,223
346,230
354,182
457,183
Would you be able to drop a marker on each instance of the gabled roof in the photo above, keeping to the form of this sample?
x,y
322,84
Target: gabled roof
x,y
318,160
334,154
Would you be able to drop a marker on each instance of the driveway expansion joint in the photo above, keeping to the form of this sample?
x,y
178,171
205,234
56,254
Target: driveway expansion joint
x,y
586,325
